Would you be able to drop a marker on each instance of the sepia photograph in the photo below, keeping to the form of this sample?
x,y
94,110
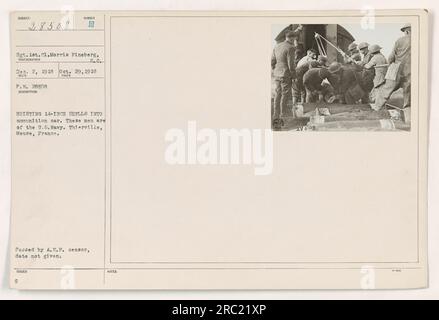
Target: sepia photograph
x,y
143,155
333,77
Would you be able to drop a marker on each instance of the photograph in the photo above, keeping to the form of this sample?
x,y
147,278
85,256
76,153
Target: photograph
x,y
341,77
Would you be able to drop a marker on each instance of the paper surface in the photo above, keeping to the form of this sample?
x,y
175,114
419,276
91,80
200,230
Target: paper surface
x,y
143,157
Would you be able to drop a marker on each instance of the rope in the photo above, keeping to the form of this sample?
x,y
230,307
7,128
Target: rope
x,y
321,47
320,37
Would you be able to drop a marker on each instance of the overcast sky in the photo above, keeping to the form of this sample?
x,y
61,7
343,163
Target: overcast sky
x,y
384,34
